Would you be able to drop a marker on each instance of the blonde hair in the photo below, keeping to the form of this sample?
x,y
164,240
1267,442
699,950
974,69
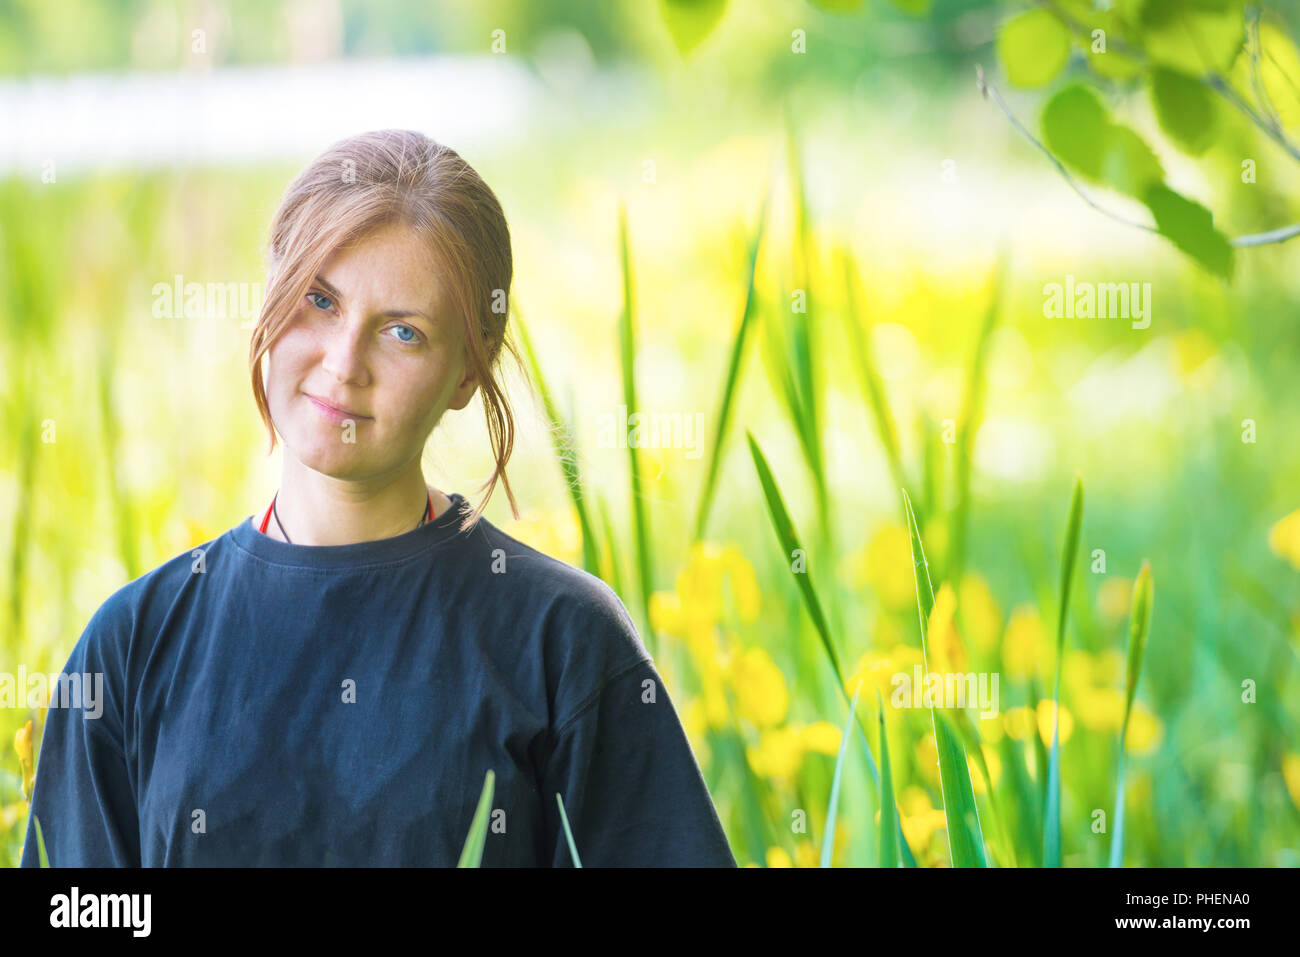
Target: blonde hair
x,y
400,176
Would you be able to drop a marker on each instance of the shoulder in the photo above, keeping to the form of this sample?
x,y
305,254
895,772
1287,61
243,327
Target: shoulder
x,y
124,619
588,637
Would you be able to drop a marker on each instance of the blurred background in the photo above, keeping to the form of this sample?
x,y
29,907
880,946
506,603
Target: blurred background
x,y
836,241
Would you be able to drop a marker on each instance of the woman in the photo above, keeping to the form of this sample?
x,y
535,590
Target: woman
x,y
330,681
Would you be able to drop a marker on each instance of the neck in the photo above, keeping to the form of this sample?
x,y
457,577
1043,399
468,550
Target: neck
x,y
319,510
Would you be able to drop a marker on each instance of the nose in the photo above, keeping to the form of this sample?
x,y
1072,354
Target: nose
x,y
345,353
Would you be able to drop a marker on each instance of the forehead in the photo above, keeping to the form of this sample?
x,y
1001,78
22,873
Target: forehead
x,y
390,262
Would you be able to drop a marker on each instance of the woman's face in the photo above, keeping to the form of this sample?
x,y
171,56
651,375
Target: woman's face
x,y
375,336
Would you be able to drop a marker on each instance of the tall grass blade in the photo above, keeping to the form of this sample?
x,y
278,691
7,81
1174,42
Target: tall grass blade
x,y
40,842
733,377
872,385
1052,814
568,834
972,414
965,839
627,340
804,352
566,451
611,544
828,841
796,558
1139,625
889,824
472,853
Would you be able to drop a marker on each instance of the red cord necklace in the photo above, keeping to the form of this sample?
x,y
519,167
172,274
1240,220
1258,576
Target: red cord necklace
x,y
426,517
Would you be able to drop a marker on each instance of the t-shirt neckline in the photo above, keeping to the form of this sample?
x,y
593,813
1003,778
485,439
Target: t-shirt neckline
x,y
380,551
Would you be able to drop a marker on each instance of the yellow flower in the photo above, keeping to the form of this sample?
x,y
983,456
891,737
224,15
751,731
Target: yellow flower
x,y
805,855
761,695
1026,650
822,737
1144,731
1113,598
927,758
886,563
1108,666
977,777
778,755
918,818
990,728
874,670
947,655
716,711
980,613
23,746
744,585
695,722
12,814
777,857
1018,722
1101,709
1045,714
666,614
1284,538
699,584
1291,775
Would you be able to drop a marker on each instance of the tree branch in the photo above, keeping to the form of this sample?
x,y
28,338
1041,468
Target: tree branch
x,y
987,90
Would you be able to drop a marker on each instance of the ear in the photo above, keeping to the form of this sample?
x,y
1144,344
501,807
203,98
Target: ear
x,y
464,392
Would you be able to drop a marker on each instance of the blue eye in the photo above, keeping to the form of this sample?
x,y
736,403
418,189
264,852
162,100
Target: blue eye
x,y
318,295
414,335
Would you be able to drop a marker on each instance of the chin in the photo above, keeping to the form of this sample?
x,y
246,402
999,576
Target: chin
x,y
325,453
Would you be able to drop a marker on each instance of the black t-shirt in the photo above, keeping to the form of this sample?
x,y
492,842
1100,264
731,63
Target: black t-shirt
x,y
273,704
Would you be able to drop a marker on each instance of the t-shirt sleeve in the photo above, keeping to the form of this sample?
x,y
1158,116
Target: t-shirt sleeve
x,y
83,795
632,789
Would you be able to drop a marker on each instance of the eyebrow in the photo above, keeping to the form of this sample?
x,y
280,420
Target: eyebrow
x,y
390,313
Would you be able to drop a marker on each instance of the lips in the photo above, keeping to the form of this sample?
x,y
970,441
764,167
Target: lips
x,y
334,410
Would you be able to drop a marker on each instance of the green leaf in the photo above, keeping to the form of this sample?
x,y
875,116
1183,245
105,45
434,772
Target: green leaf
x,y
914,7
1052,815
1185,109
40,842
1139,625
733,375
566,453
828,841
1194,36
471,854
1107,34
839,6
1129,166
568,834
888,809
790,545
1034,47
1076,128
627,363
965,840
690,21
1190,227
